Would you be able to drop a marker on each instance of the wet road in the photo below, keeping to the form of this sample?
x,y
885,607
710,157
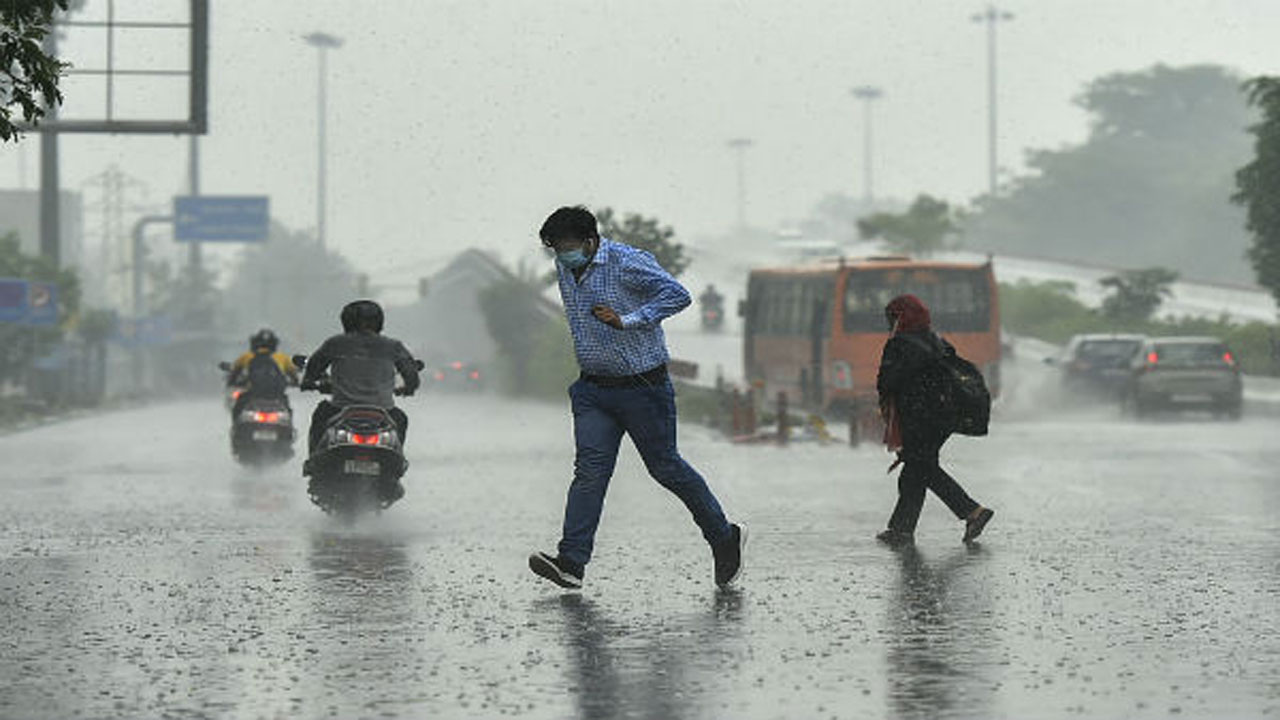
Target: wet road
x,y
1131,571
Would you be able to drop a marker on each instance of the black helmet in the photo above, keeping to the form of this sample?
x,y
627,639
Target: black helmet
x,y
264,338
362,315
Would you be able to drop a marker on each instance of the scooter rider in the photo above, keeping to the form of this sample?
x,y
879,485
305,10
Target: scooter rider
x,y
263,371
364,366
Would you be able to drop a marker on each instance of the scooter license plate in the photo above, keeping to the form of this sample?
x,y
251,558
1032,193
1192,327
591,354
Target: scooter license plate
x,y
362,467
265,435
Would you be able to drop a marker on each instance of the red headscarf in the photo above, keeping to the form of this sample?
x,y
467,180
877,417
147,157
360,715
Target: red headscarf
x,y
909,313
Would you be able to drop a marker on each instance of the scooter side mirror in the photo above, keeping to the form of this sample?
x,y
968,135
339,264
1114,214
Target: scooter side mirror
x,y
224,366
419,364
299,361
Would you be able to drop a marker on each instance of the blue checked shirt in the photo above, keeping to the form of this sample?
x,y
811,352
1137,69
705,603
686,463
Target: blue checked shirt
x,y
637,288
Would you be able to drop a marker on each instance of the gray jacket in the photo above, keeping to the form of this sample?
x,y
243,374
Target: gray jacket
x,y
364,368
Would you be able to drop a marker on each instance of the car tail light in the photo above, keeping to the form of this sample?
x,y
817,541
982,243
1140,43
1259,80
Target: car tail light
x,y
235,394
364,439
1228,359
456,365
475,374
439,375
841,375
1153,358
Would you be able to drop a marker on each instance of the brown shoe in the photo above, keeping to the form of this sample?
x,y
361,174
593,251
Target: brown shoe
x,y
976,521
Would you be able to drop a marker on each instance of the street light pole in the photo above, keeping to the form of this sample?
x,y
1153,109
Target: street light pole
x,y
991,16
867,94
322,42
740,146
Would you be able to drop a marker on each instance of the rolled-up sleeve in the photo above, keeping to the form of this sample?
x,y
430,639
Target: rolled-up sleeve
x,y
643,276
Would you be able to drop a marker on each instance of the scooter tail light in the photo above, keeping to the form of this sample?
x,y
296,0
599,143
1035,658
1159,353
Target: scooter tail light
x,y
359,439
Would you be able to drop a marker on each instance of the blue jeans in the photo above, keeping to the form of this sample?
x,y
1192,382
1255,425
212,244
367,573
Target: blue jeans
x,y
648,415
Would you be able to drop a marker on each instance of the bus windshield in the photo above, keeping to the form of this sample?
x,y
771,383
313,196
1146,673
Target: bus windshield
x,y
959,299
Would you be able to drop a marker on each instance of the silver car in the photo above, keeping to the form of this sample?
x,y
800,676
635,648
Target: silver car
x,y
1171,373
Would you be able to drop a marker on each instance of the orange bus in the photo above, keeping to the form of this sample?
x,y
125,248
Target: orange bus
x,y
815,332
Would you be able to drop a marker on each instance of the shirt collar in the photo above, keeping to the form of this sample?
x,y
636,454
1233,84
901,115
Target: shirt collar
x,y
602,252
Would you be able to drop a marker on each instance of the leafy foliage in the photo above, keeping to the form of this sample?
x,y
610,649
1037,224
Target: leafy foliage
x,y
536,351
1258,185
291,285
1049,311
28,76
1150,185
921,230
1136,294
647,234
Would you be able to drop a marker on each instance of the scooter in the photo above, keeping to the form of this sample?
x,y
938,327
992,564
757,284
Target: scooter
x,y
356,466
261,428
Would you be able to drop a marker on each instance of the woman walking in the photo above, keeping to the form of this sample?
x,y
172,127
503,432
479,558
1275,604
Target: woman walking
x,y
910,386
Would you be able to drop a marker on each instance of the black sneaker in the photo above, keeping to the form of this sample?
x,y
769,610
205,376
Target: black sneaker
x,y
565,573
896,538
975,523
728,555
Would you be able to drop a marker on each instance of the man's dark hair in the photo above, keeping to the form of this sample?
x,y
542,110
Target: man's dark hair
x,y
575,222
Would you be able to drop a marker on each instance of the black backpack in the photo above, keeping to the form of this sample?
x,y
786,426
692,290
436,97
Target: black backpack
x,y
966,401
265,378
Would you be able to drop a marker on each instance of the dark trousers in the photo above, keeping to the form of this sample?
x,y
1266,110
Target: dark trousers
x,y
601,416
920,471
326,411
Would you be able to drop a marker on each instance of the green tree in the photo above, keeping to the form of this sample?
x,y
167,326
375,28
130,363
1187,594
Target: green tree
x,y
921,230
1258,185
290,285
1136,294
647,234
28,75
536,349
1150,184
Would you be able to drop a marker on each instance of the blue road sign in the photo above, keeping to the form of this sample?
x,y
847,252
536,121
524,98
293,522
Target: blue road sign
x,y
23,302
42,304
13,300
221,218
136,332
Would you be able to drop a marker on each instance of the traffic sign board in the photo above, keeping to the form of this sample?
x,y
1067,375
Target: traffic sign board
x,y
221,218
23,302
13,300
42,304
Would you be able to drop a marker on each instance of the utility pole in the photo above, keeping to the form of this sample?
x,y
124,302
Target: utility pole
x,y
324,43
740,146
991,16
867,94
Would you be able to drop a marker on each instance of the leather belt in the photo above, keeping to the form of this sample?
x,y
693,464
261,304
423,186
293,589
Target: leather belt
x,y
656,376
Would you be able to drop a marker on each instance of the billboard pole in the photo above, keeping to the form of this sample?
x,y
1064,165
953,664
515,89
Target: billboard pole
x,y
49,231
194,186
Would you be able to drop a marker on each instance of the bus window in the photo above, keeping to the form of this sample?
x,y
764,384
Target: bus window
x,y
786,306
958,299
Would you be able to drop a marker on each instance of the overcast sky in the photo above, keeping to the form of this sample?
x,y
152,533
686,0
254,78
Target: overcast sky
x,y
465,122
